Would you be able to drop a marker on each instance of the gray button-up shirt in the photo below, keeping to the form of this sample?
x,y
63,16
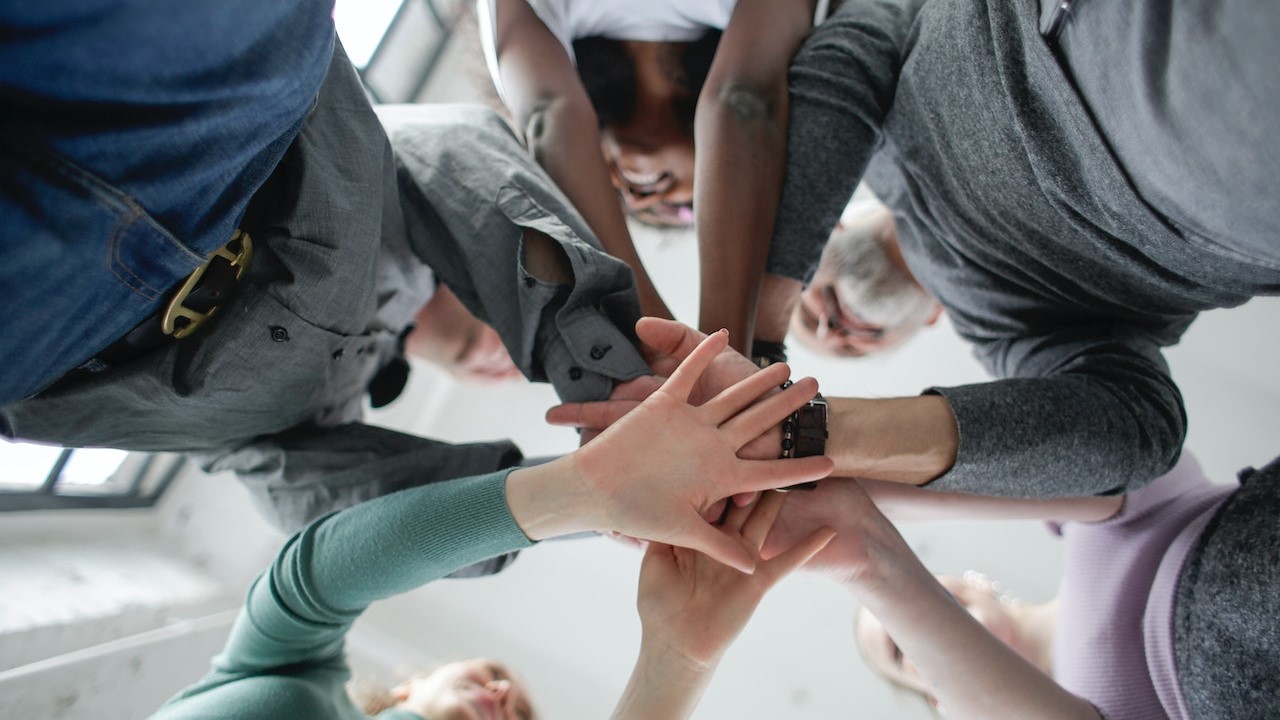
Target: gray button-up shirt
x,y
274,390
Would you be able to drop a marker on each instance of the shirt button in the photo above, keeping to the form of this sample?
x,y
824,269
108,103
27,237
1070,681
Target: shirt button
x,y
575,373
598,351
279,334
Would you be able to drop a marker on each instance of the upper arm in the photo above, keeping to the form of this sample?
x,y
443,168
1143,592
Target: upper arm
x,y
749,73
535,70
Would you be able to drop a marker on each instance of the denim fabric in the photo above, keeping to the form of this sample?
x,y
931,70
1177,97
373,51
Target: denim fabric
x,y
132,136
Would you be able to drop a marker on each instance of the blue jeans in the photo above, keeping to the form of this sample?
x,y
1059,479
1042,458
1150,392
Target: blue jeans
x,y
131,140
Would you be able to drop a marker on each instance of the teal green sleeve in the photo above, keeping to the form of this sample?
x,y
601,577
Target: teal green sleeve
x,y
285,653
328,573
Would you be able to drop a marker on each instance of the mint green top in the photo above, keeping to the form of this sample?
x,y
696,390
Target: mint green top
x,y
285,657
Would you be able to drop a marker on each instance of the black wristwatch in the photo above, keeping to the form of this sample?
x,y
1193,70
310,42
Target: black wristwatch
x,y
804,434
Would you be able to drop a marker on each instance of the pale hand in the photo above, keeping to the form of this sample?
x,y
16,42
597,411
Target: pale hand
x,y
693,606
666,343
866,541
655,472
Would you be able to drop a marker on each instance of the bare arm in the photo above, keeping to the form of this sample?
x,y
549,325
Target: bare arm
x,y
972,673
741,127
552,112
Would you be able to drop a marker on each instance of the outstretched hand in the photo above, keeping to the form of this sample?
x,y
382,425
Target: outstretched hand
x,y
666,462
665,344
695,607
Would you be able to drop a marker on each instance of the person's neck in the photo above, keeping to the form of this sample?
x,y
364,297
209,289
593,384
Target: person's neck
x,y
1035,627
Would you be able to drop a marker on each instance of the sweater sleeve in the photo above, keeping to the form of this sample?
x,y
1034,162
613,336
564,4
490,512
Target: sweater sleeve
x,y
299,611
308,471
842,84
1085,410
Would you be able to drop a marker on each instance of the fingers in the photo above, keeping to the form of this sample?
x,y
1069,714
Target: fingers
x,y
786,563
594,415
761,518
735,515
744,392
668,336
681,382
755,420
773,474
719,546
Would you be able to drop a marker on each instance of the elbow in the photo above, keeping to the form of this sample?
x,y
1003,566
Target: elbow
x,y
748,105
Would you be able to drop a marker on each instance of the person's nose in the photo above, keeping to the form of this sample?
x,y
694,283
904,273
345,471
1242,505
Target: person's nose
x,y
499,689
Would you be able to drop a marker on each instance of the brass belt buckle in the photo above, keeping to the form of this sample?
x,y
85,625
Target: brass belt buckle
x,y
237,258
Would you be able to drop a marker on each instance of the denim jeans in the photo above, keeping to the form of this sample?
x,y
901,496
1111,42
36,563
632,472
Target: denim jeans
x,y
131,140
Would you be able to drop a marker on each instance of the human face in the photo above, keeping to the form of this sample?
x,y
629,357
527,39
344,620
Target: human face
x,y
862,299
476,689
651,167
977,594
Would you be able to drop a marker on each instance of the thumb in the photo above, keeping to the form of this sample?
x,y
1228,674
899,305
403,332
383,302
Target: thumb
x,y
668,336
595,415
717,545
799,554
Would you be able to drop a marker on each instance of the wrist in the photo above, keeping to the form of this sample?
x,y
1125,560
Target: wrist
x,y
551,499
677,663
910,440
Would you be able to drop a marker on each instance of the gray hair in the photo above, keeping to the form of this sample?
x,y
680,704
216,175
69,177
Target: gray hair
x,y
867,281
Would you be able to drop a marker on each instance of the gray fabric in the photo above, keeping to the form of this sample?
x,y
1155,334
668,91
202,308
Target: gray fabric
x,y
274,390
463,174
1013,211
1227,608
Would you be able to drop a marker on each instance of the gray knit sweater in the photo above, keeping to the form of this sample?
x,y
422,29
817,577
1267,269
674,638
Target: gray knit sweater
x,y
1066,254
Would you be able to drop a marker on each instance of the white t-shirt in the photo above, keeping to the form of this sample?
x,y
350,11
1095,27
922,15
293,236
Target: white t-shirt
x,y
649,20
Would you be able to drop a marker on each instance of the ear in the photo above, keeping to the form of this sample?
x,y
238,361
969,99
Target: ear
x,y
937,313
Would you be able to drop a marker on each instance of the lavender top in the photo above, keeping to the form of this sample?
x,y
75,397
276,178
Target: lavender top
x,y
1114,647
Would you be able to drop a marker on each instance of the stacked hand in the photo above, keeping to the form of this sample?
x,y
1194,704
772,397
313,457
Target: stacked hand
x,y
866,542
697,606
692,608
666,343
655,471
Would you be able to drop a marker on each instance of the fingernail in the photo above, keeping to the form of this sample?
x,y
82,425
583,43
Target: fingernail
x,y
724,330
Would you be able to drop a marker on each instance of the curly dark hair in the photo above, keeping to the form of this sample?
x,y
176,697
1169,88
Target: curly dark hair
x,y
608,74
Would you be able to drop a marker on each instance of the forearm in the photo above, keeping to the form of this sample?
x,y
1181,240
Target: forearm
x,y
1088,416
741,155
972,673
901,502
565,141
842,85
299,475
663,684
906,440
327,574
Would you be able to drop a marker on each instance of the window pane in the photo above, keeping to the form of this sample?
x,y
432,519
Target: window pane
x,y
26,466
90,468
361,25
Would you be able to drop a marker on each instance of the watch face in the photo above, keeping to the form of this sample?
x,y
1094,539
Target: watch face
x,y
811,429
